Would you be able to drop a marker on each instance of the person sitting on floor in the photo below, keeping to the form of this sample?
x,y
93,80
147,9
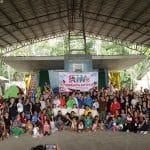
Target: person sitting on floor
x,y
16,127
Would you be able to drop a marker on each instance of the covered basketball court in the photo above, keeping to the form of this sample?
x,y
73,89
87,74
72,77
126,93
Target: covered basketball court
x,y
126,22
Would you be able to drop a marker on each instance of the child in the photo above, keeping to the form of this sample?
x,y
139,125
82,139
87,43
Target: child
x,y
53,125
114,126
16,129
29,127
96,104
49,111
128,123
109,123
143,126
46,128
88,122
74,124
80,126
108,116
123,115
7,123
35,118
59,123
119,123
36,131
23,120
95,125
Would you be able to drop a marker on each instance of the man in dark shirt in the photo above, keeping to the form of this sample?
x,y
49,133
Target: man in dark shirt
x,y
37,106
27,108
102,108
13,109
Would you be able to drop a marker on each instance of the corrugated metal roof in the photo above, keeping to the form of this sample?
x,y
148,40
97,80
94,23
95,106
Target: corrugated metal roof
x,y
25,20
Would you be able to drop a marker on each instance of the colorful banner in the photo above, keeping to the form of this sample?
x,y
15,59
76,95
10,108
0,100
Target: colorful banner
x,y
78,81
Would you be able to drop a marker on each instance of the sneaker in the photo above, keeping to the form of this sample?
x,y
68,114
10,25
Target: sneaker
x,y
16,136
127,131
145,132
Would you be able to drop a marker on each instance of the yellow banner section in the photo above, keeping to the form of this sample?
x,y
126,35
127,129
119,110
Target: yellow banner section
x,y
114,78
28,82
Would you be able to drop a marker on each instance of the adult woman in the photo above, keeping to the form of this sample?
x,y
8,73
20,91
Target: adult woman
x,y
27,108
13,109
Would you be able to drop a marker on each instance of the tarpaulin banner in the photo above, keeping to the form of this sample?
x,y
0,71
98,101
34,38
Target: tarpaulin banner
x,y
115,79
78,81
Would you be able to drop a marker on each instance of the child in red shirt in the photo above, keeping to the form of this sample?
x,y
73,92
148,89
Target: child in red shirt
x,y
62,101
23,120
115,106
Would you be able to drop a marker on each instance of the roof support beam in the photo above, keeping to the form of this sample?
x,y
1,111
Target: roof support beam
x,y
14,25
24,20
58,13
103,15
46,8
34,13
9,33
1,46
112,17
102,21
100,8
117,3
71,19
141,33
145,40
73,14
139,26
132,5
8,43
138,15
87,7
37,24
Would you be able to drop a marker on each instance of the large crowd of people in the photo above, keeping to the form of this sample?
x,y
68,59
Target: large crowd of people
x,y
44,113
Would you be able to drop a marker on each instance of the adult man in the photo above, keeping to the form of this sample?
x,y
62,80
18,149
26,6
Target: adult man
x,y
102,108
88,101
71,102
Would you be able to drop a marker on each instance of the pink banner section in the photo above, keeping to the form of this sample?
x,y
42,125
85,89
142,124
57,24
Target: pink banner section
x,y
84,82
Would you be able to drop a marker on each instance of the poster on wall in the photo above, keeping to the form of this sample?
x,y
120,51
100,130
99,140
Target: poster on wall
x,y
85,81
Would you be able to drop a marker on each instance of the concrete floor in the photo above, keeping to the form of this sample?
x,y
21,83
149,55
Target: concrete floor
x,y
82,141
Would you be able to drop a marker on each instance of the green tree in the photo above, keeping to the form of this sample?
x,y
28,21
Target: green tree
x,y
125,79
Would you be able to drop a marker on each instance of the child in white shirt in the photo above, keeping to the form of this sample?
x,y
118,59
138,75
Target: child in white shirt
x,y
36,131
96,104
53,125
80,126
